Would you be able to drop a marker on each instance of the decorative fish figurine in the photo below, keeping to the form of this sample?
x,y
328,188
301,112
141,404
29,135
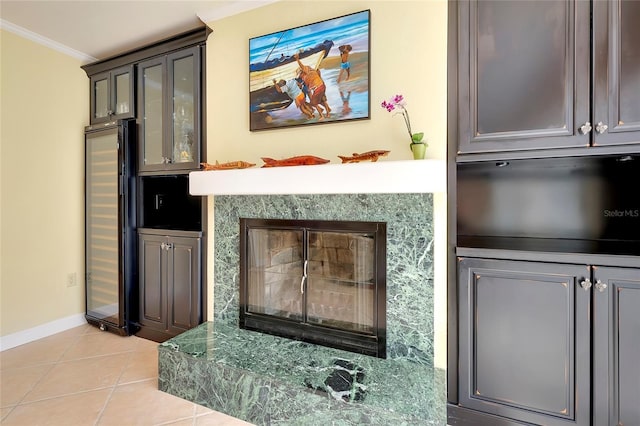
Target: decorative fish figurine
x,y
365,156
227,166
302,160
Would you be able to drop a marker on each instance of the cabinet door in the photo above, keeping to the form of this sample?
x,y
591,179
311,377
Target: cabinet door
x,y
152,255
152,110
184,109
523,75
616,36
616,346
524,340
184,284
100,98
122,92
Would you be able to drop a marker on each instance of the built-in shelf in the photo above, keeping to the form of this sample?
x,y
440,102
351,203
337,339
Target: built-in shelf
x,y
382,177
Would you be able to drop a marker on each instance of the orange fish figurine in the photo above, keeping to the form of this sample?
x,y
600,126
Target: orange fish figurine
x,y
365,156
227,166
302,160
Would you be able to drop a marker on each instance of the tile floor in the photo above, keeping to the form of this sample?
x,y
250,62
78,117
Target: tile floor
x,y
84,376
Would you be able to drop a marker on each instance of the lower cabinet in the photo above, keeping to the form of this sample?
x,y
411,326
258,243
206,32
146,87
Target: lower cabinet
x,y
532,334
170,284
616,345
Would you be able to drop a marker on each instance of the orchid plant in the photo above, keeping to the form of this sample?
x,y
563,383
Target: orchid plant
x,y
398,105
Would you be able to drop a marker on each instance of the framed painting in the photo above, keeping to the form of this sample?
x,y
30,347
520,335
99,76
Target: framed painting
x,y
312,74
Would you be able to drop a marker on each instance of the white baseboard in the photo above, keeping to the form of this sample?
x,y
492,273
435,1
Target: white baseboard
x,y
25,336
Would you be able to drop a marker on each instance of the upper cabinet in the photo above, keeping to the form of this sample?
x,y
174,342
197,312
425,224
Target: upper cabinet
x,y
161,85
525,72
616,64
170,111
112,95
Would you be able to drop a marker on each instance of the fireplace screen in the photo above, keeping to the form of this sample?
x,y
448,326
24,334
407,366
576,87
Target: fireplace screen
x,y
318,281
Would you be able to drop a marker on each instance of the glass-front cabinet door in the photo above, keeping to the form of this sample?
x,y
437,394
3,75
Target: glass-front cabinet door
x,y
184,84
112,95
170,112
100,98
152,76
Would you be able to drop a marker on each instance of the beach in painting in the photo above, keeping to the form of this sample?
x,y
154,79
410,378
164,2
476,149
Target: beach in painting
x,y
348,99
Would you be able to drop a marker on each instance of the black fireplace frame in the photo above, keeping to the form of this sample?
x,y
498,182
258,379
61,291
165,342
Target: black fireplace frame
x,y
374,344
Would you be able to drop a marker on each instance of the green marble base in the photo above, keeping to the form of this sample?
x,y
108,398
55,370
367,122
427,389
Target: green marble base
x,y
267,380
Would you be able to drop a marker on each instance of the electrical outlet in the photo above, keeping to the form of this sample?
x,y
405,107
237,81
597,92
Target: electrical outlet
x,y
72,279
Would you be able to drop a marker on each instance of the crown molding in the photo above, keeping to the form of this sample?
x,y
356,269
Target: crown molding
x,y
37,38
231,9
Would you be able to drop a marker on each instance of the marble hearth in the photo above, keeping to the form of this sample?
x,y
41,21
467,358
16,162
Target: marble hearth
x,y
265,379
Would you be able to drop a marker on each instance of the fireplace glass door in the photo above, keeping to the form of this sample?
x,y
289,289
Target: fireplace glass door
x,y
322,282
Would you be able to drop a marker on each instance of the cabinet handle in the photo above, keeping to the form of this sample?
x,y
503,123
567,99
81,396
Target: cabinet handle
x,y
600,286
586,284
163,246
586,128
601,127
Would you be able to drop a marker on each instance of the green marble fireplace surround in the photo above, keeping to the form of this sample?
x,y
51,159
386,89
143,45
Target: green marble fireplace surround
x,y
265,379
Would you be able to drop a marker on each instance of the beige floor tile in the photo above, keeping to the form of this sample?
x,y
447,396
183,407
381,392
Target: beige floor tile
x,y
44,351
141,403
96,344
16,382
79,376
4,412
184,422
76,331
203,410
78,409
144,344
142,365
218,419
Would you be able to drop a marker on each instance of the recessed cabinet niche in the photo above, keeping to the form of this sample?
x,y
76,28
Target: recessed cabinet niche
x,y
526,70
112,95
170,113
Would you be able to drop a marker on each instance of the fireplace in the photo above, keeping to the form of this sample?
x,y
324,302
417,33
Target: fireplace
x,y
322,282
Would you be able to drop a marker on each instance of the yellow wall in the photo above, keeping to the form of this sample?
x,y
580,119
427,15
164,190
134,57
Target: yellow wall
x,y
408,56
44,96
44,100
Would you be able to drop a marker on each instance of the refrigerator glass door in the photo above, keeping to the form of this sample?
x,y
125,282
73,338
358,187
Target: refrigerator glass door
x,y
102,224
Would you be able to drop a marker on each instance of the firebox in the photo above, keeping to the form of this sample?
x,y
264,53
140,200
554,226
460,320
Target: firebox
x,y
322,282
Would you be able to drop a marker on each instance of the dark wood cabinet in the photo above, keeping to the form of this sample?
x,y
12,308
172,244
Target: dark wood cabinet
x,y
532,333
616,71
525,75
170,105
524,333
616,346
544,260
112,95
170,283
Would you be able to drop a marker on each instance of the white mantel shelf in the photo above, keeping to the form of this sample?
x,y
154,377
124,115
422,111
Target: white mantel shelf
x,y
381,177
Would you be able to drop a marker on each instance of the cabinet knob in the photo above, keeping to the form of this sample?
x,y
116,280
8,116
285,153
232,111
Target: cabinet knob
x,y
601,127
600,286
586,284
585,128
